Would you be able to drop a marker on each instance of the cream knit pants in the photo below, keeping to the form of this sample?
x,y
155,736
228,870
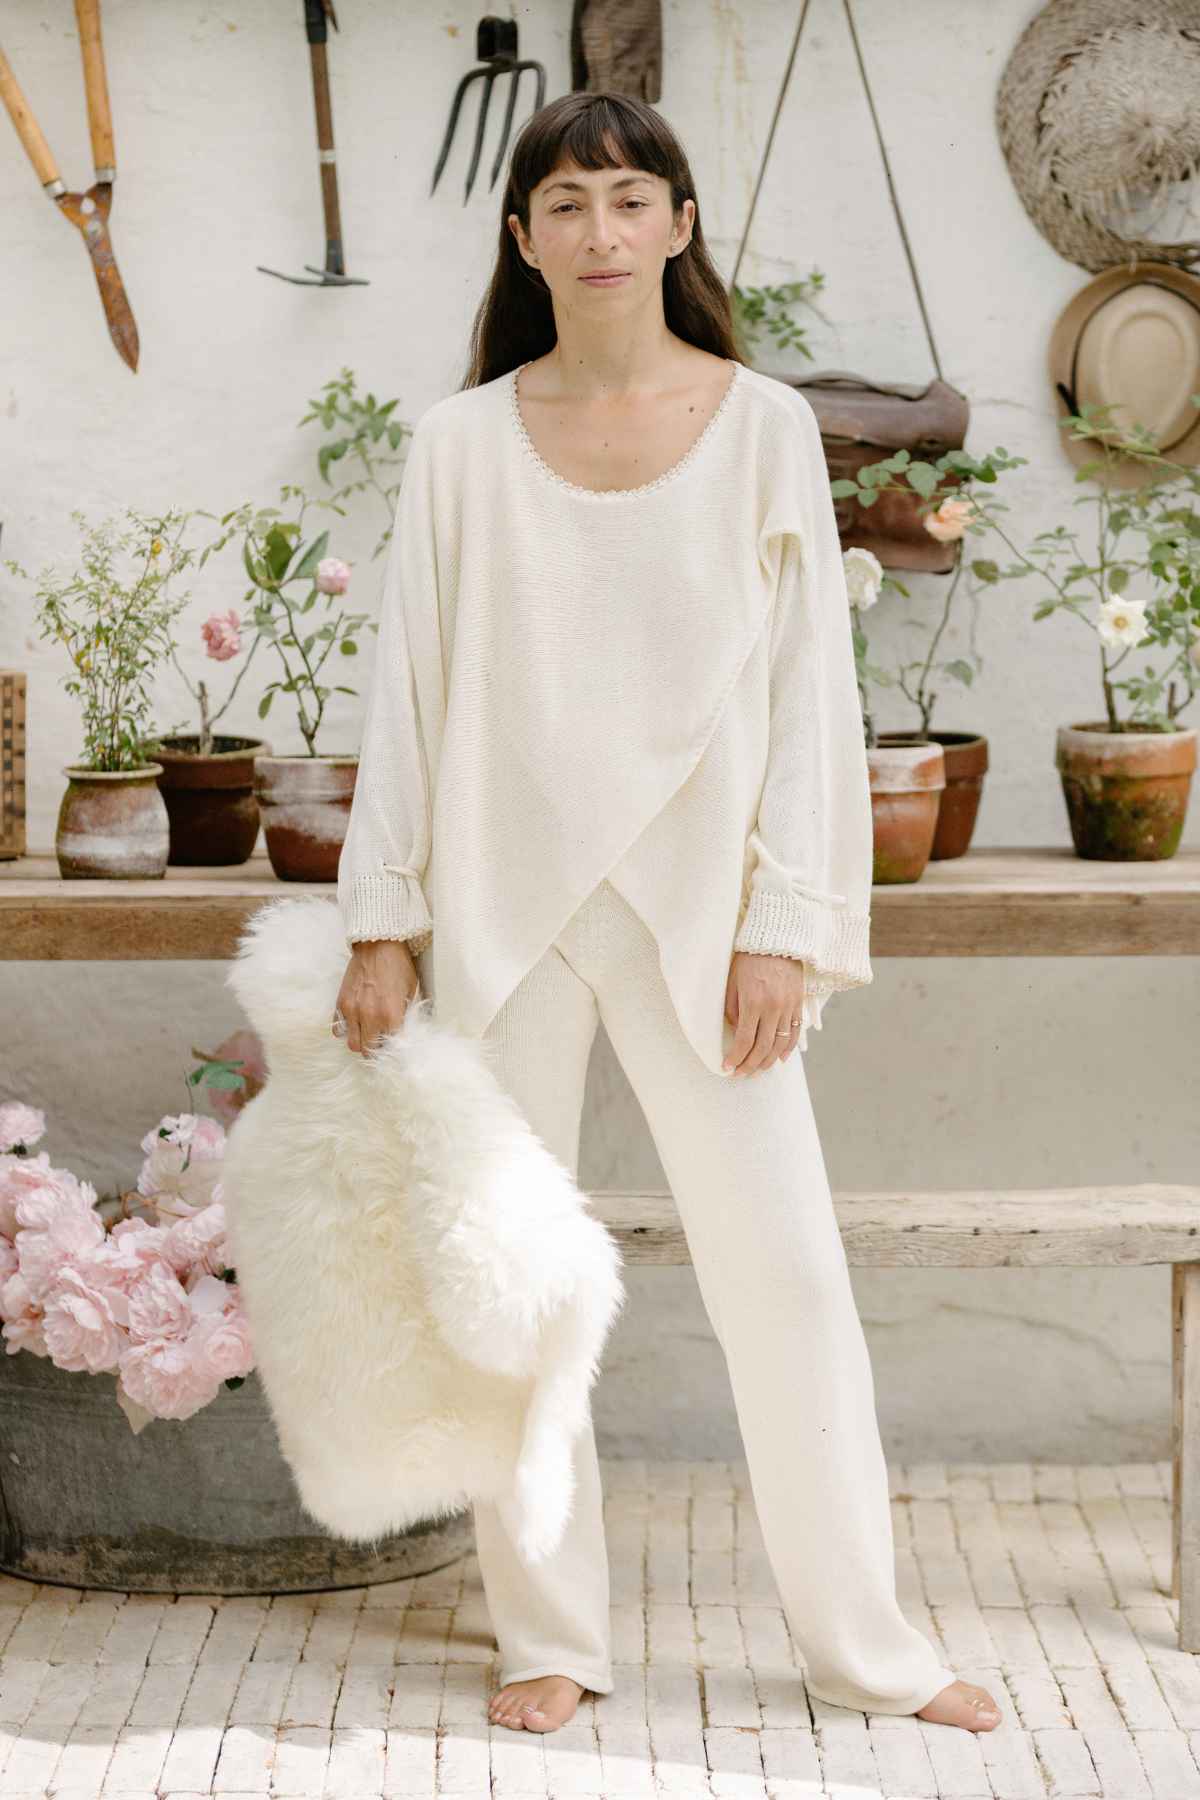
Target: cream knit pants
x,y
745,1167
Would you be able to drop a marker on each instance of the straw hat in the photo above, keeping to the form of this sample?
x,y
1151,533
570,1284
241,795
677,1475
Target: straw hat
x,y
1131,339
1096,109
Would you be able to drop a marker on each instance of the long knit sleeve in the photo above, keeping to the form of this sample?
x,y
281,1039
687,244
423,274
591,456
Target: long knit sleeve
x,y
387,844
812,850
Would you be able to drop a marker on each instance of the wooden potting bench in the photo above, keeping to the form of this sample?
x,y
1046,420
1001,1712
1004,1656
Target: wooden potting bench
x,y
1010,902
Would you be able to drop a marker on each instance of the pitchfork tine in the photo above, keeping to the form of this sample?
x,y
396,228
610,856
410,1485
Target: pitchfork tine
x,y
540,75
460,90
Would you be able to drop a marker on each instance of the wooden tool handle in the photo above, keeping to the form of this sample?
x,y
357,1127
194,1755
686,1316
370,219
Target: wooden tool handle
x,y
87,12
28,130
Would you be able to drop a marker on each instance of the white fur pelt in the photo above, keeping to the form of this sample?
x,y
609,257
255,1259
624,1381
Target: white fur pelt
x,y
428,1293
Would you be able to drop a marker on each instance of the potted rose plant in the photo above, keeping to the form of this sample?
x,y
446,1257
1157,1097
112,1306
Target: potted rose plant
x,y
947,514
208,777
304,799
907,774
113,614
1126,777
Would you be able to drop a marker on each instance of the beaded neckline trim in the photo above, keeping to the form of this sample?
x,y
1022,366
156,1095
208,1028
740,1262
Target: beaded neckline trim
x,y
646,487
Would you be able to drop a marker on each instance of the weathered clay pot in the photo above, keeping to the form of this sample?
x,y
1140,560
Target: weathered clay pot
x,y
204,1505
1126,791
907,778
966,754
305,806
112,824
210,799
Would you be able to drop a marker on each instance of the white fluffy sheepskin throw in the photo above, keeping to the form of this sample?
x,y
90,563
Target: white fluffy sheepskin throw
x,y
427,1291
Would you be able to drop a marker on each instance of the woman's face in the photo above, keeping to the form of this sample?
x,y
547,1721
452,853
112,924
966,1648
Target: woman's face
x,y
582,221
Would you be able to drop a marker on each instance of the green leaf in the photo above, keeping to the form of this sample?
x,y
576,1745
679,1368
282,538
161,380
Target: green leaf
x,y
279,552
984,570
842,489
923,477
1043,609
264,705
1118,580
348,647
311,558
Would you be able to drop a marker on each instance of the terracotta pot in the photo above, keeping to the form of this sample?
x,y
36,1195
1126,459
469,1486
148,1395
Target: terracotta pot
x,y
1126,791
112,824
966,755
907,778
305,805
210,799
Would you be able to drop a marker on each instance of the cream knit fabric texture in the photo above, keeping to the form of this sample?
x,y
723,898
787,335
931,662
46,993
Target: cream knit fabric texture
x,y
652,684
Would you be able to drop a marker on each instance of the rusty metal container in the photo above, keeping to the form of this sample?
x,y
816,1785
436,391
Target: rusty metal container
x,y
204,1505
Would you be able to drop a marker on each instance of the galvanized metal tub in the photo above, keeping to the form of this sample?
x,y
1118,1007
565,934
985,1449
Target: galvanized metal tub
x,y
205,1505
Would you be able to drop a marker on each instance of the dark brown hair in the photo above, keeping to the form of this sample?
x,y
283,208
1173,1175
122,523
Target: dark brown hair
x,y
515,320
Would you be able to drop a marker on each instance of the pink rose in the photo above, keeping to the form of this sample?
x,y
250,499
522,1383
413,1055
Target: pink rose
x,y
243,1047
163,1378
198,1242
68,1241
20,1124
159,1307
81,1333
222,635
23,1331
333,575
24,1177
221,1345
183,1163
949,521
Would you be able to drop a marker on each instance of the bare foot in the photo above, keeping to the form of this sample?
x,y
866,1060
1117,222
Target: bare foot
x,y
542,1704
962,1703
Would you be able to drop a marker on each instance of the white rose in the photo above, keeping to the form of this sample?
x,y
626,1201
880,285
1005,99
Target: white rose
x,y
864,573
1122,622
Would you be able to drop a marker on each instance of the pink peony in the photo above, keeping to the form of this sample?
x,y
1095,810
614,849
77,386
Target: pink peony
x,y
163,1377
159,1307
333,575
81,1333
949,521
20,1124
183,1163
222,635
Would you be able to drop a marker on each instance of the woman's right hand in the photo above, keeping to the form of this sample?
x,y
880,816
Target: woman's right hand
x,y
380,980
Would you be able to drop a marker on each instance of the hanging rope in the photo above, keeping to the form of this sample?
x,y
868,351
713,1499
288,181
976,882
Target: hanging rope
x,y
892,195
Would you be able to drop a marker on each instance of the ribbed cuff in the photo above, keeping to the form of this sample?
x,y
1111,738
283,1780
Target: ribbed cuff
x,y
834,942
388,906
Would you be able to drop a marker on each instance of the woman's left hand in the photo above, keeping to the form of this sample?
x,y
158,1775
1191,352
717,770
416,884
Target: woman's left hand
x,y
762,997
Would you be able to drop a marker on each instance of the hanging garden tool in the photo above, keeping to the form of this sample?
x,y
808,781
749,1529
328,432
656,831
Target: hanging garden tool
x,y
87,211
334,273
496,46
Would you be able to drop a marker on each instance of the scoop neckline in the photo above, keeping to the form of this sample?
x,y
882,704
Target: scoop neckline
x,y
573,487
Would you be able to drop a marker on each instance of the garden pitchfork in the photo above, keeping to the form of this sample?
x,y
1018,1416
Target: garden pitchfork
x,y
496,46
87,211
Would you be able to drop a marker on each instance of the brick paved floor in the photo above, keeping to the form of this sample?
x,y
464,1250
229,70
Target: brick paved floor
x,y
1050,1584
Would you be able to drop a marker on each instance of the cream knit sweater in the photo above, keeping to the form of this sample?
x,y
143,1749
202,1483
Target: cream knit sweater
x,y
654,684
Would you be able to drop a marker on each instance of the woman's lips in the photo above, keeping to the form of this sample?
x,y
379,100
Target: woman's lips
x,y
605,280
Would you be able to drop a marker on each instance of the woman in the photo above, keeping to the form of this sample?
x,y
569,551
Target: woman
x,y
613,769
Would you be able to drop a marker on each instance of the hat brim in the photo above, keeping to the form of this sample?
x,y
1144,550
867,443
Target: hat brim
x,y
1064,338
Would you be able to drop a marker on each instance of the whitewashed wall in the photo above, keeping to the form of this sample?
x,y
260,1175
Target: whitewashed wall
x,y
942,1073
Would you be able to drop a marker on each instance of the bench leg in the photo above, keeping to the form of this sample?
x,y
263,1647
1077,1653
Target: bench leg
x,y
1185,1360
